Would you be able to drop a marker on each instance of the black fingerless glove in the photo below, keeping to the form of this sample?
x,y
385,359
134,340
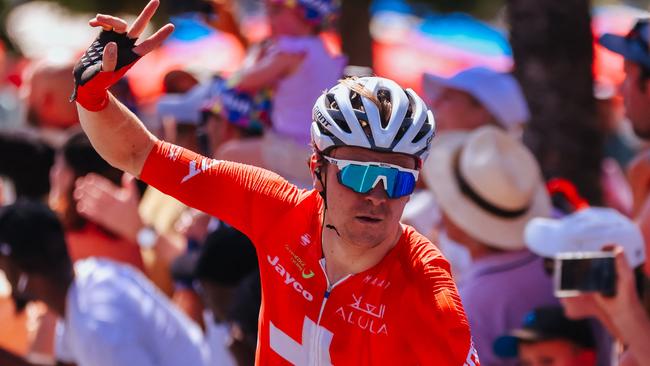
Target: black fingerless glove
x,y
91,83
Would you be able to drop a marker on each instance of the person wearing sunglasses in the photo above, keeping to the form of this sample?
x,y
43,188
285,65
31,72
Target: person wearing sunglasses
x,y
343,282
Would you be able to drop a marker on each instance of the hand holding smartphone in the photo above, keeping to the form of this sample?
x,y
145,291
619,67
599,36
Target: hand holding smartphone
x,y
577,273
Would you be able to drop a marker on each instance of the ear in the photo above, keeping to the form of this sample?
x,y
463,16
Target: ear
x,y
317,169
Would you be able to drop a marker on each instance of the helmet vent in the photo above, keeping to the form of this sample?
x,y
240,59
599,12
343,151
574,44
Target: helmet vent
x,y
402,130
426,128
385,106
339,119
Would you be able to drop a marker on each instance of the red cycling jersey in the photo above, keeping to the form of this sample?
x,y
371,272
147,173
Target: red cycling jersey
x,y
403,311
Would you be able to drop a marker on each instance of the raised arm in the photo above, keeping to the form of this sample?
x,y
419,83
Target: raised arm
x,y
243,196
267,71
116,133
118,136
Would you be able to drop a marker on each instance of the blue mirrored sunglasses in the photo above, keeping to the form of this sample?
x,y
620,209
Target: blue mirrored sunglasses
x,y
362,176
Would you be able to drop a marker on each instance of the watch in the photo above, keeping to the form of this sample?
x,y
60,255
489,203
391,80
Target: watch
x,y
147,237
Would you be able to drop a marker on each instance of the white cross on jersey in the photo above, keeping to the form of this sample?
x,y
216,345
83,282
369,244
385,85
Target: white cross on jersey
x,y
314,349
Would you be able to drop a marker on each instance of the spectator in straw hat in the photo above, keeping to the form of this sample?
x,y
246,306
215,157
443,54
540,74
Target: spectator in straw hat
x,y
488,186
470,99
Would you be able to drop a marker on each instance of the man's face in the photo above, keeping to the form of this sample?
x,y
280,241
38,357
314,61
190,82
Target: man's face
x,y
553,353
369,219
636,100
457,110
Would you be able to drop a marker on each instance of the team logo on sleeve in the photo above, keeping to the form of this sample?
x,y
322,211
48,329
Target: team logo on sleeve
x,y
198,168
174,152
472,357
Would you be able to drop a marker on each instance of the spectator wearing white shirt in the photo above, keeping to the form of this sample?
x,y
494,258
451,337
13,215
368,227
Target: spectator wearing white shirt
x,y
110,313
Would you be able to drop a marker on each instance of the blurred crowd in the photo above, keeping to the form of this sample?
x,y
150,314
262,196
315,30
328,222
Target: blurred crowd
x,y
191,282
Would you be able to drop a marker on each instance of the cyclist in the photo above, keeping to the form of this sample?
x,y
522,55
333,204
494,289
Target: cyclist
x,y
343,282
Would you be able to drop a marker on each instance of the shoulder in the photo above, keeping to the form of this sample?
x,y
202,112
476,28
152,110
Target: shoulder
x,y
104,288
429,276
94,270
304,202
310,199
104,302
305,210
419,256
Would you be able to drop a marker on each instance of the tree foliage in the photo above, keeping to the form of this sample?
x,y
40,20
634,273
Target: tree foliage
x,y
553,52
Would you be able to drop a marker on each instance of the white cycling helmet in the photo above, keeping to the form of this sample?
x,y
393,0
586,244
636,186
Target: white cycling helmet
x,y
340,120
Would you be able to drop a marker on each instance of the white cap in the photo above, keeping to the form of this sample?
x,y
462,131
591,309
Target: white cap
x,y
587,230
499,93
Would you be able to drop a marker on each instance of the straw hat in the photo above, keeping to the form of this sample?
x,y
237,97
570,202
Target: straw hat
x,y
488,183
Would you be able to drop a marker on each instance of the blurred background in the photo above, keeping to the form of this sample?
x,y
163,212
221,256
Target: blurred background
x,y
572,119
399,39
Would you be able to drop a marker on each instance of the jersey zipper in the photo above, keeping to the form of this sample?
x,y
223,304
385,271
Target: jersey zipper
x,y
316,347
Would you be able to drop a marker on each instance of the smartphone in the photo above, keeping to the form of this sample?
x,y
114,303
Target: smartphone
x,y
576,273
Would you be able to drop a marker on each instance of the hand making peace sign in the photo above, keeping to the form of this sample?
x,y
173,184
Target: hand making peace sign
x,y
108,22
112,54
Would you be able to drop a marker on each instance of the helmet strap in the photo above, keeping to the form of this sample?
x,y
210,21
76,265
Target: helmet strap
x,y
322,193
316,162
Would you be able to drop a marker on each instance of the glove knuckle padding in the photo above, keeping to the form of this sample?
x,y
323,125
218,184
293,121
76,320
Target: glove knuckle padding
x,y
90,64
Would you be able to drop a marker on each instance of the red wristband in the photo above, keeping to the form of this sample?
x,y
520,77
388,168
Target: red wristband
x,y
93,95
92,84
